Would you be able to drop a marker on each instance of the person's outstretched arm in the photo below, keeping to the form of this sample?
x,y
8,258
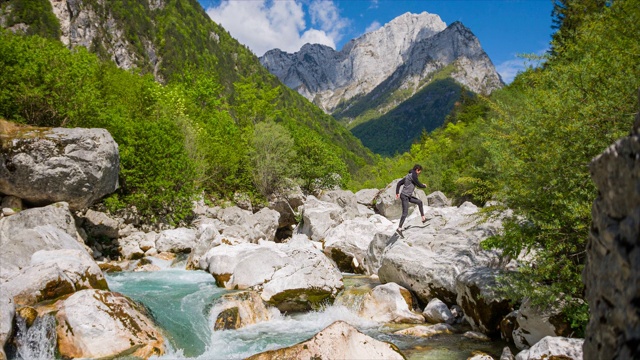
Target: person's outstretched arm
x,y
414,178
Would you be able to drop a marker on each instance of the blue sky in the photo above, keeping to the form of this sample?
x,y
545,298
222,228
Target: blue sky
x,y
505,28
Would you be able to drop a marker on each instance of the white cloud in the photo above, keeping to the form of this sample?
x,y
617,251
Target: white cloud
x,y
263,25
374,4
373,27
509,69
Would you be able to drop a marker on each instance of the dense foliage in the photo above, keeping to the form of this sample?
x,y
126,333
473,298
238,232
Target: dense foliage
x,y
392,116
395,131
529,146
201,129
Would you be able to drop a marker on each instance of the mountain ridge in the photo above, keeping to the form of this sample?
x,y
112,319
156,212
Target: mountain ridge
x,y
375,73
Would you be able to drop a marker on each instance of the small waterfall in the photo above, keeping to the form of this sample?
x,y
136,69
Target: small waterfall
x,y
37,341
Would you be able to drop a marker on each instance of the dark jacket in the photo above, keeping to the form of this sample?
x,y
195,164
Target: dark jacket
x,y
410,182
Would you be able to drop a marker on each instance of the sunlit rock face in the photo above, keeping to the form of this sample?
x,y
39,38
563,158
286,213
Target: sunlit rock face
x,y
409,48
613,270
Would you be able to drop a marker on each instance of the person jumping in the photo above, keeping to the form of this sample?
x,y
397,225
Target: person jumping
x,y
410,181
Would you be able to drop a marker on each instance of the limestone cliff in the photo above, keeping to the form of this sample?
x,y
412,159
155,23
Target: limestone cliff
x,y
406,52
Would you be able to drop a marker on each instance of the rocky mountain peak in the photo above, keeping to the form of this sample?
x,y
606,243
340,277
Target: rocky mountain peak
x,y
329,77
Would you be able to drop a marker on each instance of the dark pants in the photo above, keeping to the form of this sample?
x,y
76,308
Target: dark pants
x,y
405,206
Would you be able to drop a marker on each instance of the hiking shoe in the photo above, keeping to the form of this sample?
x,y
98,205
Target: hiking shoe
x,y
399,232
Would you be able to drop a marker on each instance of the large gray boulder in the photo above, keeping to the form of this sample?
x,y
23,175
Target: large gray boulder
x,y
318,217
7,313
431,256
553,347
293,276
47,228
265,223
345,198
48,165
347,243
207,237
483,308
286,203
390,303
367,196
437,312
337,341
612,271
176,240
239,309
532,324
98,224
101,324
52,274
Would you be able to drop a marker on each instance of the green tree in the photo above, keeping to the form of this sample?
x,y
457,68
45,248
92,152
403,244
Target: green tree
x,y
272,154
319,165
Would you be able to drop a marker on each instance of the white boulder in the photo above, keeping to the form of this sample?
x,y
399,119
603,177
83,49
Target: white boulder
x,y
552,347
46,228
48,165
101,324
176,240
338,341
437,312
347,243
390,303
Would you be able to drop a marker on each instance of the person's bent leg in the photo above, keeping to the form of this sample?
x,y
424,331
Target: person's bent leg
x,y
405,209
418,202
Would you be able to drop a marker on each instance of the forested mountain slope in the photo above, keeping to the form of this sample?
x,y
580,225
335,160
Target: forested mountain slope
x,y
388,82
160,74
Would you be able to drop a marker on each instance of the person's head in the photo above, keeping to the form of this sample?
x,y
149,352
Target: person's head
x,y
417,168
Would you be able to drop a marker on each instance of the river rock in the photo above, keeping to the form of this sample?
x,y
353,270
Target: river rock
x,y
46,228
377,248
101,324
474,335
12,202
506,354
176,240
482,306
286,202
98,224
430,257
129,246
390,303
437,199
293,276
48,165
367,196
551,347
347,243
337,341
345,198
437,312
427,330
233,215
532,324
265,222
318,217
207,237
612,270
240,309
52,274
479,355
7,313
